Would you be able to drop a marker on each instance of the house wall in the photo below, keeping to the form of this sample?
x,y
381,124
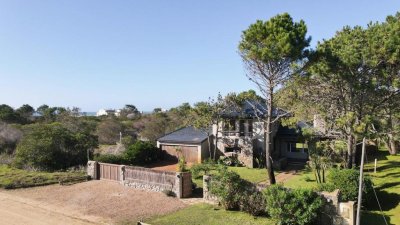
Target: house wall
x,y
192,153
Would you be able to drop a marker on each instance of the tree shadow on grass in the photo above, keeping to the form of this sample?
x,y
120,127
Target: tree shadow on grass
x,y
373,218
387,201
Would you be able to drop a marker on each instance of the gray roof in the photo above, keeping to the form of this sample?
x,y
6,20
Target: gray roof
x,y
187,135
250,109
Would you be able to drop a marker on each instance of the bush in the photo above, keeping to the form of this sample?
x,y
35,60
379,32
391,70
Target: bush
x,y
228,187
53,147
141,153
346,180
198,170
110,158
298,206
253,203
230,161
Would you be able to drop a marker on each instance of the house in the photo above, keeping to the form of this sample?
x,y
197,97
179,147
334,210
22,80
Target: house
x,y
189,142
107,112
241,134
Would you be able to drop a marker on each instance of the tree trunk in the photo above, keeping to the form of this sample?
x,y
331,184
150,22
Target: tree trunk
x,y
209,144
216,142
391,145
350,151
268,132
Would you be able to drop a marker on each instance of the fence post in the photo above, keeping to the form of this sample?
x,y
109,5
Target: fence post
x,y
122,173
92,170
178,183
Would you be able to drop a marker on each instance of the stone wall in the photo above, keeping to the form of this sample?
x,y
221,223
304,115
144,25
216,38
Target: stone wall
x,y
335,212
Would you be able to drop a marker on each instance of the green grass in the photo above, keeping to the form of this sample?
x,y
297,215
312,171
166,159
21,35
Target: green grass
x,y
16,178
387,184
207,214
303,179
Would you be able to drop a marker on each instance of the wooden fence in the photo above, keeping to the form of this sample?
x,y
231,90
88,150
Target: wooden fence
x,y
179,183
109,172
149,175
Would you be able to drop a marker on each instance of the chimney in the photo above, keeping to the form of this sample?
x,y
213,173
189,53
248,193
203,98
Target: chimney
x,y
319,123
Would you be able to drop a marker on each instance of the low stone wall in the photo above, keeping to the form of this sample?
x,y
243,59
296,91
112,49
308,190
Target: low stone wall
x,y
335,212
147,179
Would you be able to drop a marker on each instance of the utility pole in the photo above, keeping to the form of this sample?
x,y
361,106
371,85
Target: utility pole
x,y
360,184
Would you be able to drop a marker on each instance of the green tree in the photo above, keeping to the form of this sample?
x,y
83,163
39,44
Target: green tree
x,y
269,49
109,130
25,113
129,111
7,114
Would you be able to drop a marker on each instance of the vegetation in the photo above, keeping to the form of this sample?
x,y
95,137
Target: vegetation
x,y
269,50
298,206
16,178
52,147
346,180
208,214
229,188
139,153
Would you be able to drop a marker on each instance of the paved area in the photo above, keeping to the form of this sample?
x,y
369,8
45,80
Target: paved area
x,y
93,202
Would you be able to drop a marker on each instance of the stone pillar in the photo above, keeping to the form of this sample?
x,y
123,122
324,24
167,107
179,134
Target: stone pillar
x,y
177,189
121,173
92,169
206,190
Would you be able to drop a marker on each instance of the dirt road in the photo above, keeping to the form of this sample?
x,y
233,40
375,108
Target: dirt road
x,y
93,202
14,210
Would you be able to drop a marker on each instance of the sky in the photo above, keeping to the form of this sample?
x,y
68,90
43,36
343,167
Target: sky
x,y
96,54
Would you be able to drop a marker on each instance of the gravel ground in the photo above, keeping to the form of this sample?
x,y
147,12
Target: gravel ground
x,y
97,201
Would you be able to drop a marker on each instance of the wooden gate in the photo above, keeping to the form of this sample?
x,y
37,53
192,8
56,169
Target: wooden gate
x,y
109,172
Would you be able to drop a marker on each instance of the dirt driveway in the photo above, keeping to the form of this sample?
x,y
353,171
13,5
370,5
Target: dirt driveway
x,y
93,202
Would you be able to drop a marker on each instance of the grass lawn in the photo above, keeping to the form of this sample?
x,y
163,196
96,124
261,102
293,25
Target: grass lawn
x,y
303,179
387,184
207,214
16,178
253,175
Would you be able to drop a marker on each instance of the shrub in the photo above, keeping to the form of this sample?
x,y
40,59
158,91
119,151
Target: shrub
x,y
253,203
198,170
127,141
182,164
298,206
53,147
346,180
230,161
141,153
169,193
110,158
228,187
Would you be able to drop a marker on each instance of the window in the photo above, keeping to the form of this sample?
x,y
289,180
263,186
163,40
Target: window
x,y
250,128
230,127
297,147
241,128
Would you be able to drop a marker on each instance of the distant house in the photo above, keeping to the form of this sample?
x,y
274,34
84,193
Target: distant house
x,y
189,141
107,112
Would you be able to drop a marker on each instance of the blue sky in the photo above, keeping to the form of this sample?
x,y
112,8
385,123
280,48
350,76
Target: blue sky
x,y
103,54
